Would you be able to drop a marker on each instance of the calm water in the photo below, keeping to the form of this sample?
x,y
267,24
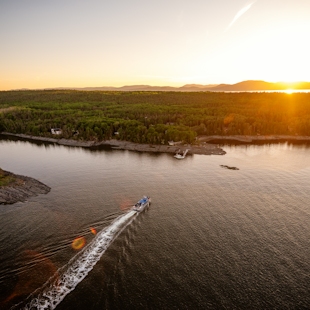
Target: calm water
x,y
213,238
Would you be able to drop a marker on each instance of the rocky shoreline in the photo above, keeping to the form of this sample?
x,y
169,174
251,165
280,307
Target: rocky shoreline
x,y
205,148
207,145
21,189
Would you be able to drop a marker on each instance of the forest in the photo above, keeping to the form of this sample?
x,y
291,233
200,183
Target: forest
x,y
152,117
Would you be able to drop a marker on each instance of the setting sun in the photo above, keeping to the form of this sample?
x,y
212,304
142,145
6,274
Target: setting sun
x,y
289,91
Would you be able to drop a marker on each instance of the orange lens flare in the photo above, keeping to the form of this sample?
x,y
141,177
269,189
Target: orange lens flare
x,y
78,243
32,278
93,230
125,204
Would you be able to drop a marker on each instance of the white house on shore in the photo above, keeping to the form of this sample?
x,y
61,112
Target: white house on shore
x,y
56,131
174,143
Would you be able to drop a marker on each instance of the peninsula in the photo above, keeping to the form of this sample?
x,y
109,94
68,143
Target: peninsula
x,y
204,149
15,188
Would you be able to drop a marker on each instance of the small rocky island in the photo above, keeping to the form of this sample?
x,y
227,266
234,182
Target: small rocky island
x,y
15,188
229,167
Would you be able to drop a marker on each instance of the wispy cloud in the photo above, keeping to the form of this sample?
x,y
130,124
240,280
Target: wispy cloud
x,y
239,14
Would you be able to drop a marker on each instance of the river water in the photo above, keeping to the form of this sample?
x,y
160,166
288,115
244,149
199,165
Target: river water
x,y
213,238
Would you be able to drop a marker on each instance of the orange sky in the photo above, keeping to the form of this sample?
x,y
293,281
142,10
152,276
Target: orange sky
x,y
74,43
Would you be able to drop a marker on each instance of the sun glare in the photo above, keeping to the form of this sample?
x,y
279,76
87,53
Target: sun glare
x,y
78,243
289,91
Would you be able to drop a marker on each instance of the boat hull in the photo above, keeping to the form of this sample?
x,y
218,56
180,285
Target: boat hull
x,y
181,156
142,204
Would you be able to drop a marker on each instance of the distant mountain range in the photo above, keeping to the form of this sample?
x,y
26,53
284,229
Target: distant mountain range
x,y
252,85
242,86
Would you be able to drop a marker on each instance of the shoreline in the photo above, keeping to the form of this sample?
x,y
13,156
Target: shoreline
x,y
208,145
22,188
205,149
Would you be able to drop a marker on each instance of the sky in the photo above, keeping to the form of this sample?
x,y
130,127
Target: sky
x,y
93,43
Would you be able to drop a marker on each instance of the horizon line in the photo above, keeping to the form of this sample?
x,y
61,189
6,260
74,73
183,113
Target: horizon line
x,y
189,85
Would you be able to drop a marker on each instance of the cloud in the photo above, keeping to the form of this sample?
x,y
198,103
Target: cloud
x,y
239,14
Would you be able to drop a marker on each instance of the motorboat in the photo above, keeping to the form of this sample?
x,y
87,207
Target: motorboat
x,y
142,204
181,155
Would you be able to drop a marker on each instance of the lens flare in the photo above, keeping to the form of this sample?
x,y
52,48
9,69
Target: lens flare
x,y
125,204
228,119
78,243
41,268
93,230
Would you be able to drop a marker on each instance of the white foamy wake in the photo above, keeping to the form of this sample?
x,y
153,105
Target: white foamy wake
x,y
69,276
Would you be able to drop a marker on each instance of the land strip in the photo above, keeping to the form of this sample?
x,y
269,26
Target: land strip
x,y
204,148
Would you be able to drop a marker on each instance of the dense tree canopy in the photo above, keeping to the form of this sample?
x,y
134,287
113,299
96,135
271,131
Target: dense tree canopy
x,y
153,117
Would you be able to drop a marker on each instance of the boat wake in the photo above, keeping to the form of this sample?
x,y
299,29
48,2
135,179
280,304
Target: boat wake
x,y
69,276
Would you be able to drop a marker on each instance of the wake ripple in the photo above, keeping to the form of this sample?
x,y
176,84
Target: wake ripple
x,y
70,275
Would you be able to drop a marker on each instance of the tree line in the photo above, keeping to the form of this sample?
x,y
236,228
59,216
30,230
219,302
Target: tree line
x,y
153,117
